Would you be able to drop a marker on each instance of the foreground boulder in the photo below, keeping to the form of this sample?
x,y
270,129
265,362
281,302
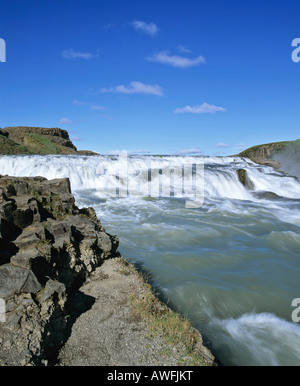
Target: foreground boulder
x,y
48,248
244,179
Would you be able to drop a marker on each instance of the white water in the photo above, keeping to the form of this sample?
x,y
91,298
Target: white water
x,y
232,265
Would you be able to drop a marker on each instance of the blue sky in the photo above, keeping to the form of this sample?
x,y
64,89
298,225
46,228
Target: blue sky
x,y
160,77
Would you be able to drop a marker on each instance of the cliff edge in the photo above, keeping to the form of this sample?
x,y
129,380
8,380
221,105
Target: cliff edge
x,y
48,248
283,156
68,298
37,140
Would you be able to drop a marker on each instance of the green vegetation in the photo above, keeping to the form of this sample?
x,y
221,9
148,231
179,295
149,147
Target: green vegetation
x,y
174,328
266,154
162,321
10,147
274,145
40,144
35,194
23,140
56,209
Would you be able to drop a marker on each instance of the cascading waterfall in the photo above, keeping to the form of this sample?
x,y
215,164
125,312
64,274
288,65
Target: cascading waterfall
x,y
230,264
99,172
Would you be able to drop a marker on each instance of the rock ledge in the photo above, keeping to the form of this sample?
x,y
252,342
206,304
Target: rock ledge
x,y
48,249
70,299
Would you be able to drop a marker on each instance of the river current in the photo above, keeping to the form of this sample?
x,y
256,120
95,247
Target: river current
x,y
230,262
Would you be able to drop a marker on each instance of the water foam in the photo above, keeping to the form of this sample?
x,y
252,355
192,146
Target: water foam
x,y
265,338
101,173
232,223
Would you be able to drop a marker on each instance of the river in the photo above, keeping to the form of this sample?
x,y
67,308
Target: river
x,y
225,256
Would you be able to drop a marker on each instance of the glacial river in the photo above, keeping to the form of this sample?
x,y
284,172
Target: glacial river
x,y
225,256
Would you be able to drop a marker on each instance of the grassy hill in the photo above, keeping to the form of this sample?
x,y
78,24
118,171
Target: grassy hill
x,y
283,156
10,147
37,140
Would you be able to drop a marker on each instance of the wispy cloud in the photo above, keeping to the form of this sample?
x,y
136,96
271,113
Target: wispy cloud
x,y
150,29
185,151
127,152
79,103
164,57
241,147
183,49
65,121
205,108
135,88
109,26
147,151
94,107
98,107
76,139
221,144
71,54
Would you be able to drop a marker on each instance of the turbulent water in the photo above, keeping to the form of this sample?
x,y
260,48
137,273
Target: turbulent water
x,y
230,261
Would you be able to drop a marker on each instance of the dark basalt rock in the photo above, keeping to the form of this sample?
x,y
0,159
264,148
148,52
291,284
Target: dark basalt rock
x,y
244,179
267,195
48,248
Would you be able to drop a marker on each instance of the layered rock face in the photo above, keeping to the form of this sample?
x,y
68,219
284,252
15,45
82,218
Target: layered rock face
x,y
37,140
48,247
41,140
283,156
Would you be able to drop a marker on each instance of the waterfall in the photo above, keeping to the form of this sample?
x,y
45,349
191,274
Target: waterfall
x,y
232,266
165,176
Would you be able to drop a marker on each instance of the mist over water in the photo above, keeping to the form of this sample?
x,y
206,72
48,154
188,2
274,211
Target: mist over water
x,y
231,266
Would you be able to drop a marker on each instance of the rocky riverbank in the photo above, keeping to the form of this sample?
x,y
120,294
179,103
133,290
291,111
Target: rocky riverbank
x,y
69,298
126,325
48,248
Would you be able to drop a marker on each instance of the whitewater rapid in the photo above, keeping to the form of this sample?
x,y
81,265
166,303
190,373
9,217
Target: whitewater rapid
x,y
96,172
231,264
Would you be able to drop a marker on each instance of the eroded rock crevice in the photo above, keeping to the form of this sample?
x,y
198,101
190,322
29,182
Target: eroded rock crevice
x,y
48,248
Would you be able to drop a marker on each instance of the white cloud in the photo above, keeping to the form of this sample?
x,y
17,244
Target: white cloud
x,y
183,49
71,54
65,121
79,103
193,150
127,152
92,107
98,107
221,144
147,28
200,109
147,151
164,57
75,139
135,88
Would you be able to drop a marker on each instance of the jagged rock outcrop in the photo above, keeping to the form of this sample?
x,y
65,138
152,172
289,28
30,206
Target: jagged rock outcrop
x,y
48,248
37,140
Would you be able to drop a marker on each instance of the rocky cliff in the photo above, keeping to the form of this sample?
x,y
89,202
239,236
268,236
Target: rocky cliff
x,y
37,140
48,248
284,156
66,295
